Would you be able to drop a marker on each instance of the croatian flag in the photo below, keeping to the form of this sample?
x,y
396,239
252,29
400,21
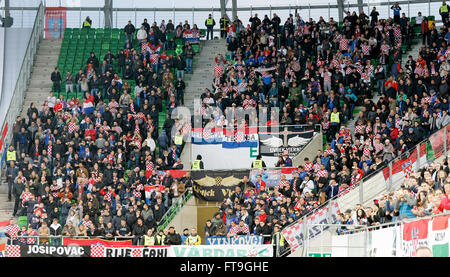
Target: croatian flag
x,y
245,137
193,36
207,135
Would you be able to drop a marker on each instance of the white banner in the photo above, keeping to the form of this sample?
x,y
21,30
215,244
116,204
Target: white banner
x,y
326,215
385,242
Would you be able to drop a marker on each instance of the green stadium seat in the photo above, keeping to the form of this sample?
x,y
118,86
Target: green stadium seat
x,y
196,47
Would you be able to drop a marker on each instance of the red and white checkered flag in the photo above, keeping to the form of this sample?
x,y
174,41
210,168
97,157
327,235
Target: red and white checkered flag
x,y
407,169
206,133
97,251
13,251
239,137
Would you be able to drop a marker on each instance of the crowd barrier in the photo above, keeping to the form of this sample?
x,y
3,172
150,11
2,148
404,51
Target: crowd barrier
x,y
98,250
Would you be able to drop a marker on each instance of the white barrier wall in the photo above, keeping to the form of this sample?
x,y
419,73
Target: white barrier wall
x,y
2,57
214,156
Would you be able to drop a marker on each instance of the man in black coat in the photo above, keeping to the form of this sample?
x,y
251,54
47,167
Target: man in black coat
x,y
56,79
18,188
179,87
129,31
172,237
11,173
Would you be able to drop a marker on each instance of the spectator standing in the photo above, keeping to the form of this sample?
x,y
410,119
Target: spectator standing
x,y
69,83
223,26
129,31
179,87
396,8
56,79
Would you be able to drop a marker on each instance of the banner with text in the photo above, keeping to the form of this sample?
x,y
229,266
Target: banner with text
x,y
274,141
131,251
216,186
223,251
48,251
247,240
325,215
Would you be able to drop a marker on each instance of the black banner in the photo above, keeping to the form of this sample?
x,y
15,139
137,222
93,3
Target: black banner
x,y
273,141
216,186
55,251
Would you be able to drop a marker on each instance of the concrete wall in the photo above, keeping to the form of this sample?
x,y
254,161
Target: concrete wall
x,y
16,42
309,151
187,217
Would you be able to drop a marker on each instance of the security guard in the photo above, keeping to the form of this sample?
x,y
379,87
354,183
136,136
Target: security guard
x,y
11,155
209,22
223,26
258,163
278,238
194,238
178,140
335,121
87,23
197,164
443,11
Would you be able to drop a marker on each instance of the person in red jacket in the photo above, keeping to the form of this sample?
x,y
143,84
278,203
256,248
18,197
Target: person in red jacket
x,y
90,133
260,185
58,106
445,201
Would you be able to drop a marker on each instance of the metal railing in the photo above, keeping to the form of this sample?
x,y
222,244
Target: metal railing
x,y
16,105
59,240
177,204
389,186
120,17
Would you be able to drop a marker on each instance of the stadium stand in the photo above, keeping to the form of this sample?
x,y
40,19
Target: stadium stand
x,y
88,162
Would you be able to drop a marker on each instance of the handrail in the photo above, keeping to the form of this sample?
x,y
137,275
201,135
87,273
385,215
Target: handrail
x,y
165,218
18,96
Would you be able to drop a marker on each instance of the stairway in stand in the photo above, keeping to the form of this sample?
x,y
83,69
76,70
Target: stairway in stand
x,y
44,64
203,71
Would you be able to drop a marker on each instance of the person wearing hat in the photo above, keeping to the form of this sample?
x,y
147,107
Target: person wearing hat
x,y
258,163
198,163
209,22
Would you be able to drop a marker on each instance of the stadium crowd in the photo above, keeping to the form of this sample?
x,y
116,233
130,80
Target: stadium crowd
x,y
81,167
316,73
424,193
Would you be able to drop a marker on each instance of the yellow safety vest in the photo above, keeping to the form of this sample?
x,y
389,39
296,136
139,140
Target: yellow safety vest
x,y
196,165
209,21
86,24
335,118
444,9
11,156
178,140
193,240
149,240
225,21
257,164
281,239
